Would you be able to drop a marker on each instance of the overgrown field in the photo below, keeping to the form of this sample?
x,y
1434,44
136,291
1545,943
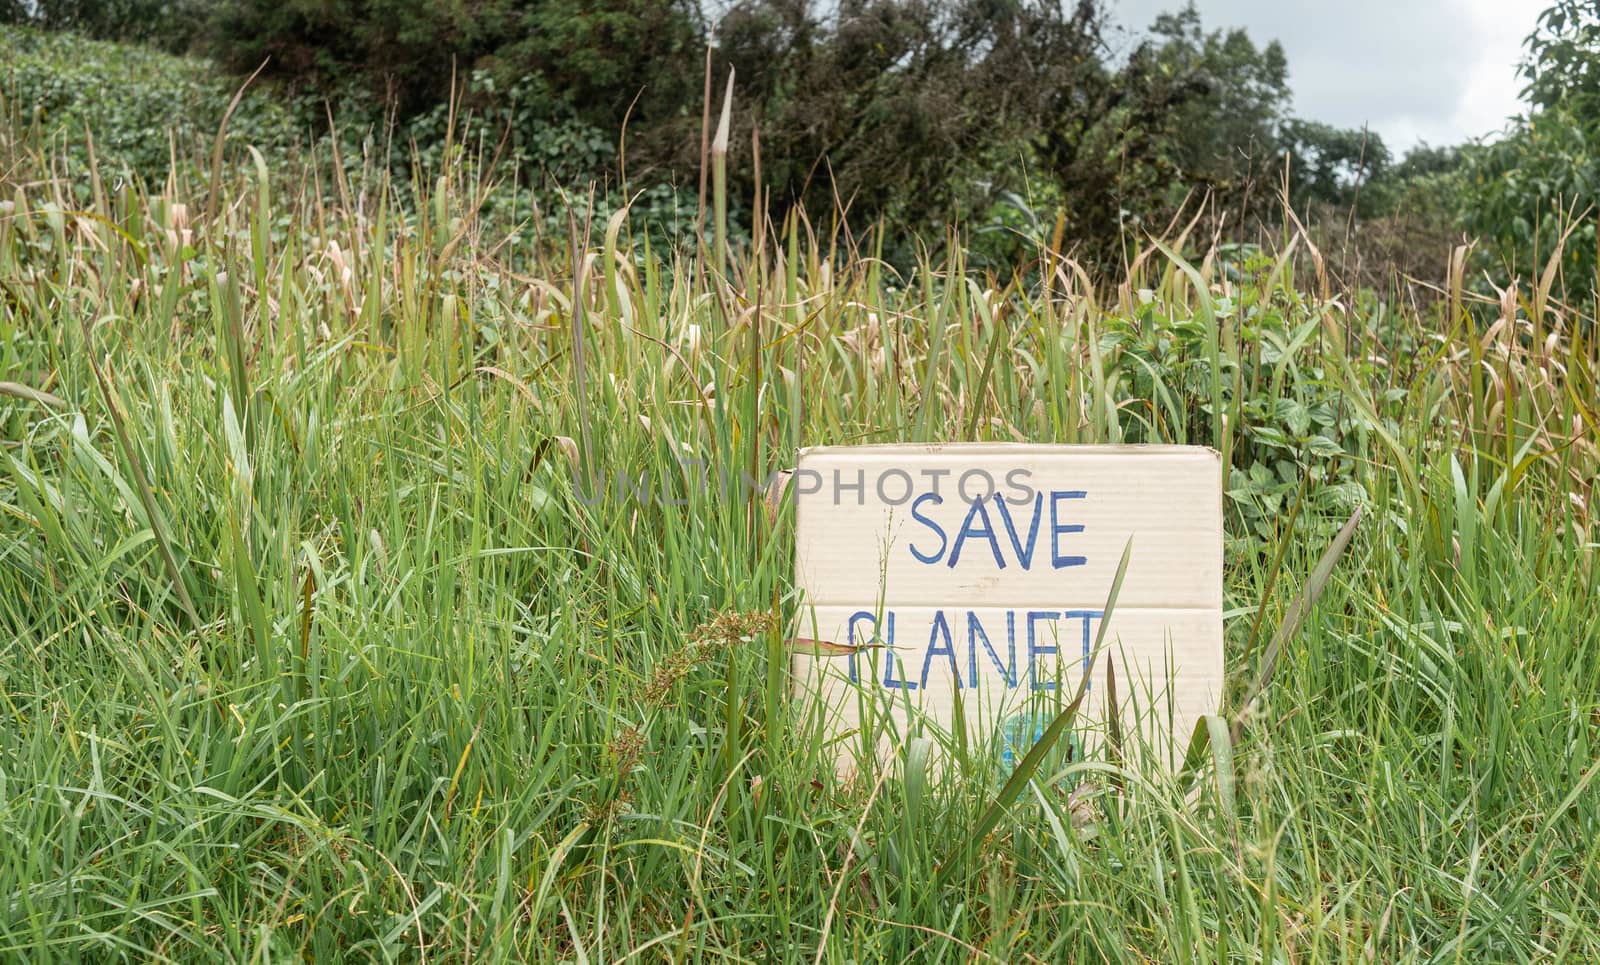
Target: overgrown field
x,y
310,649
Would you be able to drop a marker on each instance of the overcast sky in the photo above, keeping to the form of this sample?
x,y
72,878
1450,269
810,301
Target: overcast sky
x,y
1439,71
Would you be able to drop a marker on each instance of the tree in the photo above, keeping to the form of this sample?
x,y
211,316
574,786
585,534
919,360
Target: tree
x,y
1562,65
584,60
1189,111
1226,130
904,110
1329,165
1525,190
170,24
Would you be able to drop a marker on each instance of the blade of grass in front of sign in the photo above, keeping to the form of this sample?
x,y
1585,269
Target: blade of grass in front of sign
x,y
1113,718
1296,616
827,648
1035,757
1222,754
1200,740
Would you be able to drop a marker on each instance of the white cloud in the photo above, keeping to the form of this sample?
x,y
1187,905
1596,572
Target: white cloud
x,y
1493,89
1439,71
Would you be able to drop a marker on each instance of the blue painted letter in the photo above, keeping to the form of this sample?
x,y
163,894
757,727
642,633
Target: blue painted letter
x,y
1024,554
940,625
1086,616
943,541
850,637
986,531
975,631
1057,559
1037,649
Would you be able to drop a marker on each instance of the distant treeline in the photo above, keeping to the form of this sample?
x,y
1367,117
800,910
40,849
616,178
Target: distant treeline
x,y
1046,120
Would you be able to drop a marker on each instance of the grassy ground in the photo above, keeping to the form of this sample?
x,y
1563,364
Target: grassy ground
x,y
308,648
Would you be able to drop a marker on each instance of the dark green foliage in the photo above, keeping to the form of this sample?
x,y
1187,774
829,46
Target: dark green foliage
x,y
139,104
1330,165
596,60
1232,99
402,50
1425,160
1011,115
1524,190
903,110
1192,114
1562,67
146,109
170,24
588,61
1110,150
916,113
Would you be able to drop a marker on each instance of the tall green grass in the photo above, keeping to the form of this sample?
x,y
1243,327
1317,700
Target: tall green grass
x,y
331,625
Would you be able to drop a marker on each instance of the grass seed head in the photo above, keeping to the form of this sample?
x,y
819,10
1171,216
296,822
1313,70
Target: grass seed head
x,y
626,748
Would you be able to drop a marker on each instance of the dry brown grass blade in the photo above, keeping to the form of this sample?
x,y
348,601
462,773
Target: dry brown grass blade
x,y
774,497
1318,262
17,390
216,146
826,648
509,379
1547,280
569,448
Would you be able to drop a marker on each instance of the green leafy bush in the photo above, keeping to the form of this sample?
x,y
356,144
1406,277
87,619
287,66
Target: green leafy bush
x,y
1293,427
169,24
583,61
1525,191
142,107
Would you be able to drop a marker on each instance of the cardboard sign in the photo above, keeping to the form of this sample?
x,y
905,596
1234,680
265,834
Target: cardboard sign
x,y
973,578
